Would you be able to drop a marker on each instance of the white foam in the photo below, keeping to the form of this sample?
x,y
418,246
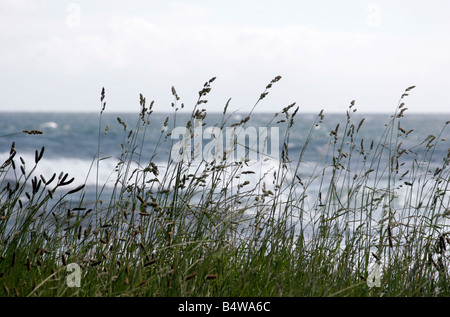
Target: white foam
x,y
260,173
83,170
50,124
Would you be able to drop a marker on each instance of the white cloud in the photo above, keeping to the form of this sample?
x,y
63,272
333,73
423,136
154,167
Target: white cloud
x,y
185,44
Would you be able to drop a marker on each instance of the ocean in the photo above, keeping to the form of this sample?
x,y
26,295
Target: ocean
x,y
71,140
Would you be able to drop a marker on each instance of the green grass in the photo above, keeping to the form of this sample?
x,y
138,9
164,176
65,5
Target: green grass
x,y
190,229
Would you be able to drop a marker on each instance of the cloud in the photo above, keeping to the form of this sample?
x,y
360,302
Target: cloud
x,y
119,42
185,43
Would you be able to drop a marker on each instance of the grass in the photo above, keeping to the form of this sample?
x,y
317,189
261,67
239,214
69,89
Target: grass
x,y
200,229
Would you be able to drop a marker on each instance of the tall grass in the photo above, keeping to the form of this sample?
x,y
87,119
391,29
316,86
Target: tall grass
x,y
201,228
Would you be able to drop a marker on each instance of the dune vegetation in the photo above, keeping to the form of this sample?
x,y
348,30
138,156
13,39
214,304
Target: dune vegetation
x,y
376,225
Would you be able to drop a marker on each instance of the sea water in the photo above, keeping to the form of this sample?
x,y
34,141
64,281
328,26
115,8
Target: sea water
x,y
74,141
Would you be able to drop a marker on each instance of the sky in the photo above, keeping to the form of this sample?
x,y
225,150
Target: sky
x,y
57,55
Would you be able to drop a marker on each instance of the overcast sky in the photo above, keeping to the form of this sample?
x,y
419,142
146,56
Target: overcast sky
x,y
57,55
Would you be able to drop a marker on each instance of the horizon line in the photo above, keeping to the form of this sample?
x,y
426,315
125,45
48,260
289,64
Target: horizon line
x,y
217,112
